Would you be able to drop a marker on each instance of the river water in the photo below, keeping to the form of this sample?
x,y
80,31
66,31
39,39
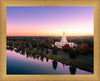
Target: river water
x,y
19,63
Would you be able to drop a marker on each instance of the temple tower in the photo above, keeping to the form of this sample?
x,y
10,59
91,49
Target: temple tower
x,y
63,39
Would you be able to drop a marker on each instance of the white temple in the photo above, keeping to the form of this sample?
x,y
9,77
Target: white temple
x,y
64,41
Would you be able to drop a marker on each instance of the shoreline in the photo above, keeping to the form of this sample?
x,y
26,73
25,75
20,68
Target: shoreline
x,y
67,61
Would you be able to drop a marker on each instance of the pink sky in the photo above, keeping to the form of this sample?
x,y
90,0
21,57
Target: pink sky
x,y
49,21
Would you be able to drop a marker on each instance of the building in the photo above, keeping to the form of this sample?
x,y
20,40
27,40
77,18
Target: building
x,y
64,41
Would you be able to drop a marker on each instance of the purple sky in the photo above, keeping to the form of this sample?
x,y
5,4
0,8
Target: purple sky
x,y
49,21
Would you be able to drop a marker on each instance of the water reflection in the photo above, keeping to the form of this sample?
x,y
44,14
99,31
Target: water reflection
x,y
44,65
47,59
17,50
10,48
41,58
63,65
54,64
72,69
37,57
22,52
34,57
27,54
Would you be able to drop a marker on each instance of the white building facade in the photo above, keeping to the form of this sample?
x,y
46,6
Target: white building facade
x,y
64,41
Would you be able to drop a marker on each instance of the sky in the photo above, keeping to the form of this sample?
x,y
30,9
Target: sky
x,y
50,21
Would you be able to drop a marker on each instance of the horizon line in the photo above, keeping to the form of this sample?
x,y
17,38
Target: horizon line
x,y
43,36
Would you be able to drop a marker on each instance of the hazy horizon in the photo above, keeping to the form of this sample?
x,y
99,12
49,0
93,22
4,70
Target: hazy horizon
x,y
54,36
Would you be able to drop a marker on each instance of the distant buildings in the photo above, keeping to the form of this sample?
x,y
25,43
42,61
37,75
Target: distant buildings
x,y
64,41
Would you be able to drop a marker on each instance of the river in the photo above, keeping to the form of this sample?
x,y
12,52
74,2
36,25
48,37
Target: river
x,y
19,63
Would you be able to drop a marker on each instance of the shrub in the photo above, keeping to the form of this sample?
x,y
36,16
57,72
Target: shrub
x,y
66,48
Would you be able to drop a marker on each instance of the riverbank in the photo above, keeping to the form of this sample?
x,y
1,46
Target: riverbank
x,y
66,60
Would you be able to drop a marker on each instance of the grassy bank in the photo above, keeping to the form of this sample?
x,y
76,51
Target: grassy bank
x,y
68,61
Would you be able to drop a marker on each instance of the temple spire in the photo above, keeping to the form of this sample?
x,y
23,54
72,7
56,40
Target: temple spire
x,y
63,33
63,39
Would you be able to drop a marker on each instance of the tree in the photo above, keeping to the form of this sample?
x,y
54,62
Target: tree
x,y
66,48
47,51
22,47
83,49
54,50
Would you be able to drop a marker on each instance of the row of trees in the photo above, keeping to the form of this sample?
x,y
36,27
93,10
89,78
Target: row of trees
x,y
29,43
48,41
